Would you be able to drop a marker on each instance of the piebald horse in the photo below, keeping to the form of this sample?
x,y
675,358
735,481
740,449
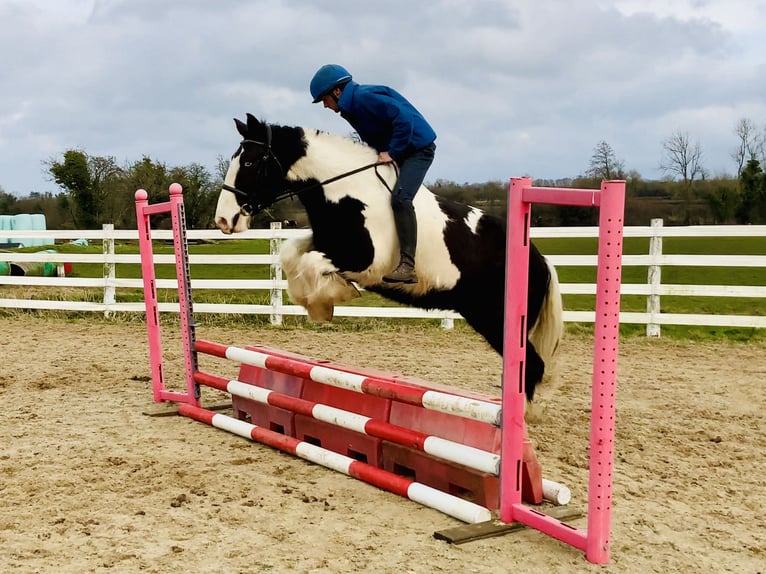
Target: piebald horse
x,y
460,258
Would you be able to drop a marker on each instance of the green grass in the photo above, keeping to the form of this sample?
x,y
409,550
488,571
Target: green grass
x,y
670,275
553,246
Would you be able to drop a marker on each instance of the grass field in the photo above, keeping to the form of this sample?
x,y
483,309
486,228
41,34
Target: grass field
x,y
550,246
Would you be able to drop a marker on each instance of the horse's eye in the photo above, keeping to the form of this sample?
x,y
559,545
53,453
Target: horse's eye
x,y
248,163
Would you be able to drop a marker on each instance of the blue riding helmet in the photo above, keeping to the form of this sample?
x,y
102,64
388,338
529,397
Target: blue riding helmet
x,y
326,78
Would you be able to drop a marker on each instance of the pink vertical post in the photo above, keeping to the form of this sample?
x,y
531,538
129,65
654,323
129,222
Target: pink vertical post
x,y
514,348
611,201
606,343
143,212
150,293
186,315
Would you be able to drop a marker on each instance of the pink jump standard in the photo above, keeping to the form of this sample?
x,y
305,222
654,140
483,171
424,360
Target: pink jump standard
x,y
610,199
511,466
178,219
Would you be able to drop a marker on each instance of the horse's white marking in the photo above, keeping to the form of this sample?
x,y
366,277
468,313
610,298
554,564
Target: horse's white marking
x,y
329,155
472,219
433,264
227,207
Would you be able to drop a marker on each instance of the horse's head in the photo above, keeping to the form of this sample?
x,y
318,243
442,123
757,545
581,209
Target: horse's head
x,y
255,179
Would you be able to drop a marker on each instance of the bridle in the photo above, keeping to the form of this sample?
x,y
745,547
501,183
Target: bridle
x,y
261,170
269,157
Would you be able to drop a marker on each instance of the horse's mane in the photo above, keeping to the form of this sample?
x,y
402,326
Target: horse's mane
x,y
347,144
328,155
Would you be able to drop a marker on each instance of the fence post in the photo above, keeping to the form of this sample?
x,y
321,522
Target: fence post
x,y
109,275
654,279
276,274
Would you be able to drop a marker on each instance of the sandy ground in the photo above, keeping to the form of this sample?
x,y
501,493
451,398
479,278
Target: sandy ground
x,y
90,484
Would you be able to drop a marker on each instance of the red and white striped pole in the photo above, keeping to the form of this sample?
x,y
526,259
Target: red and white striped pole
x,y
411,394
469,456
415,491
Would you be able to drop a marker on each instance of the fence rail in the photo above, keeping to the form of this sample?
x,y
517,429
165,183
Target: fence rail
x,y
653,289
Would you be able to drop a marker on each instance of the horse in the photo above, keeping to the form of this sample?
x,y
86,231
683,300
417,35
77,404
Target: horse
x,y
460,257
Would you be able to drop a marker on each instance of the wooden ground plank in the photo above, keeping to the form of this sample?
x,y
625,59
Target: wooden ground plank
x,y
167,409
490,528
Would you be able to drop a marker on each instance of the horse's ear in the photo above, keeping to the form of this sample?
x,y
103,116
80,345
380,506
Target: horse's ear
x,y
252,122
241,127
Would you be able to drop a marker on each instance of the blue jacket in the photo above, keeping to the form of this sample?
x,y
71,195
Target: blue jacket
x,y
384,119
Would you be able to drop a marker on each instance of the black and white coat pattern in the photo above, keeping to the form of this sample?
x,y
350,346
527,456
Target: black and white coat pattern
x,y
460,258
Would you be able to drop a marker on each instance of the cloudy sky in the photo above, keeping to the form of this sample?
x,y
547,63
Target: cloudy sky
x,y
512,87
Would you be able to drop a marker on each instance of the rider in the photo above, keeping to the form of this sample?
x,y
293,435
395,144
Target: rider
x,y
385,120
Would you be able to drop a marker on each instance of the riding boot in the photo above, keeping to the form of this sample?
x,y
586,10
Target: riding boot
x,y
407,231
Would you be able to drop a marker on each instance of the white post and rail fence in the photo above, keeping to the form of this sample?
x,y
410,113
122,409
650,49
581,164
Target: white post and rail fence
x,y
28,291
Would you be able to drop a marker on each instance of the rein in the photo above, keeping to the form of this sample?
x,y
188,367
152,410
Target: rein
x,y
347,174
268,155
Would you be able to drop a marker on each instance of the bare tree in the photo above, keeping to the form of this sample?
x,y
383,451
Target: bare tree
x,y
604,163
682,159
750,145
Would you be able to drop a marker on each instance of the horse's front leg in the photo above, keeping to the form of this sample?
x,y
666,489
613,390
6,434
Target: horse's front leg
x,y
313,281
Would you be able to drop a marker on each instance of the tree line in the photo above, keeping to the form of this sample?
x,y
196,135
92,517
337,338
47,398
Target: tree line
x,y
97,190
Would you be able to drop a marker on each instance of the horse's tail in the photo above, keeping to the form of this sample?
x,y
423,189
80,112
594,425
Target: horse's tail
x,y
548,330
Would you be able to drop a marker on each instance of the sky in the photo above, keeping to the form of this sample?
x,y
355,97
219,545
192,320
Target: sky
x,y
512,88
